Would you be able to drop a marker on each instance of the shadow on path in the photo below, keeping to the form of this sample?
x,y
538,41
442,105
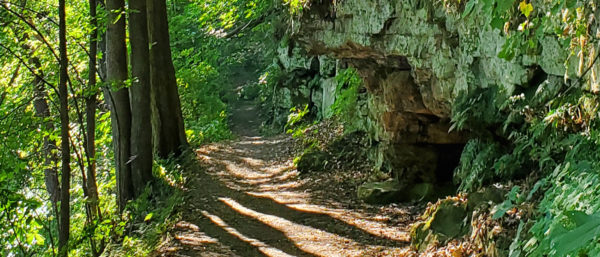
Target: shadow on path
x,y
245,199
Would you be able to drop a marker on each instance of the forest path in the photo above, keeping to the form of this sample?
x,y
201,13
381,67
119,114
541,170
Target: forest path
x,y
248,200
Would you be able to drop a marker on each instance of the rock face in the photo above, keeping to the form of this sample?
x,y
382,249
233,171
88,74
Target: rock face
x,y
415,57
305,80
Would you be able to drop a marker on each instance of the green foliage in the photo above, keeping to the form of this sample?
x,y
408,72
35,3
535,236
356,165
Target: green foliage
x,y
476,164
297,6
348,83
569,210
347,97
208,51
296,116
28,222
205,61
147,219
477,109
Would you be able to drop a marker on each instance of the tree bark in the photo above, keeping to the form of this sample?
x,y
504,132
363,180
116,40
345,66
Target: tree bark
x,y
118,98
141,134
167,120
65,210
90,141
49,147
90,110
42,110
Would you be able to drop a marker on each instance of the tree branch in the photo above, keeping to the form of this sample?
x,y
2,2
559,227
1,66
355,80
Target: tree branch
x,y
34,28
28,67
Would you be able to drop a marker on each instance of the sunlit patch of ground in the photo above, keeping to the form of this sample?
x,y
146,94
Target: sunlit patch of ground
x,y
264,248
247,182
248,200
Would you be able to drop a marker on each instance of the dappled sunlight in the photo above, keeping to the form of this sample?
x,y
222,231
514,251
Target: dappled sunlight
x,y
309,239
280,177
277,187
264,248
234,169
188,236
283,197
261,202
195,239
375,225
273,182
278,168
261,141
253,161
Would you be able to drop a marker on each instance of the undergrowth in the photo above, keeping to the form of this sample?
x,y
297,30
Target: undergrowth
x,y
347,100
556,141
146,220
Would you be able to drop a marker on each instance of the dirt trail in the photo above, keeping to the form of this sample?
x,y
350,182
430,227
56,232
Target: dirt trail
x,y
248,200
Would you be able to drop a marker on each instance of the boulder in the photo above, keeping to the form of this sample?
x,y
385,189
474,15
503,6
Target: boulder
x,y
380,192
485,197
419,192
442,222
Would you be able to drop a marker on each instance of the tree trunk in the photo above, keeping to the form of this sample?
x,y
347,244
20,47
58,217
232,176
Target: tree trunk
x,y
49,147
118,98
167,119
141,134
90,110
42,110
65,211
90,115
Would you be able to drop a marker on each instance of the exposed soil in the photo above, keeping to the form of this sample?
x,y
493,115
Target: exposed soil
x,y
246,199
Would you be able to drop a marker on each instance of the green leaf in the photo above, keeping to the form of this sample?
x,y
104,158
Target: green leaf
x,y
577,238
39,239
578,217
526,8
501,209
515,249
497,23
535,188
503,6
148,217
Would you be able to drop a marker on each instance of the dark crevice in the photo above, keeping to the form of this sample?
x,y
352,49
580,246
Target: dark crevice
x,y
448,160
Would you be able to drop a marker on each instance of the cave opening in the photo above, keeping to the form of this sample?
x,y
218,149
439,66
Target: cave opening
x,y
448,160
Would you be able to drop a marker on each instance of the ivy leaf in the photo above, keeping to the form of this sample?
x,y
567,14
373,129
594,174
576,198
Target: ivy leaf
x,y
526,8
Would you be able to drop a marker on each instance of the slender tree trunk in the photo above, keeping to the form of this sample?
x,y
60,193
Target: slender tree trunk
x,y
90,110
118,98
167,119
49,147
42,110
141,134
90,114
65,210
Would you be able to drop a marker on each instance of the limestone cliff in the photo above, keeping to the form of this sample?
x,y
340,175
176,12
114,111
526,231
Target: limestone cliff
x,y
415,57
